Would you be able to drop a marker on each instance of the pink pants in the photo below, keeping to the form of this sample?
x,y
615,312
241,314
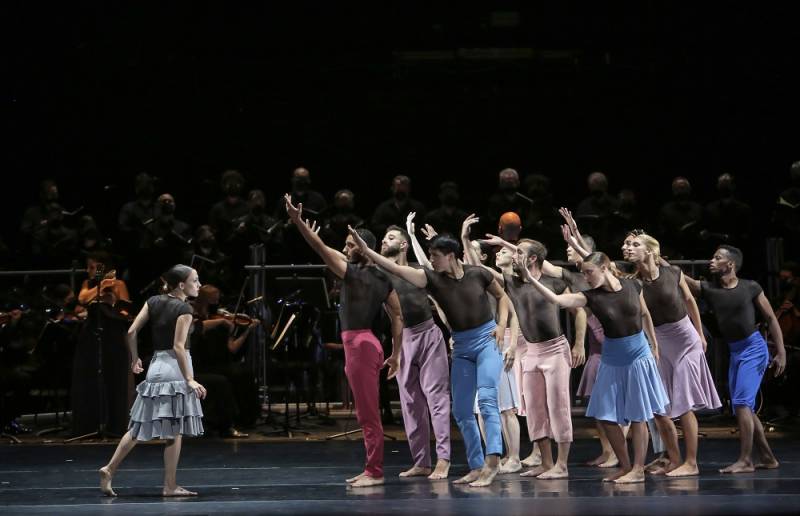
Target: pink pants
x,y
545,383
424,384
363,360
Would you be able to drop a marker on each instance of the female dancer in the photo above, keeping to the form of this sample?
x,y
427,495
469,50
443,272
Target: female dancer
x,y
628,388
167,405
683,365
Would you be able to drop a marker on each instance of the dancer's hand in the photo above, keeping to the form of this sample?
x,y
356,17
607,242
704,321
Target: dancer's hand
x,y
500,337
508,356
703,341
428,232
362,246
656,354
136,366
393,363
467,224
410,222
567,216
312,225
295,212
578,355
779,363
197,388
492,239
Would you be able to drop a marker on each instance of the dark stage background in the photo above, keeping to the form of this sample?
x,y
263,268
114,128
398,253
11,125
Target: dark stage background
x,y
95,93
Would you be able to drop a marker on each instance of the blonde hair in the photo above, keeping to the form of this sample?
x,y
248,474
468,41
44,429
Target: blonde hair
x,y
652,246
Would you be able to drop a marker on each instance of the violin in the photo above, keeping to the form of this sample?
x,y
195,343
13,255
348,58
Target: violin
x,y
236,319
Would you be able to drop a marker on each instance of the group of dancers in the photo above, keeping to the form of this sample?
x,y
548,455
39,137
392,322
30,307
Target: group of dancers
x,y
646,364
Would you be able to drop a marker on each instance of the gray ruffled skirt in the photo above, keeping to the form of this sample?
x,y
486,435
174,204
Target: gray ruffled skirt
x,y
165,406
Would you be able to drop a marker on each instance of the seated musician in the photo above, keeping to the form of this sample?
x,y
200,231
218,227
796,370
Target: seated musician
x,y
111,289
217,343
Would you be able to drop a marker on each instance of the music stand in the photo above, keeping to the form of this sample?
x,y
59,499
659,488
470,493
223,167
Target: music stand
x,y
295,292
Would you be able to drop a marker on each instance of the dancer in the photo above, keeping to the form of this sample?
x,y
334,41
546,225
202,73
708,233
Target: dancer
x,y
461,292
167,403
548,359
682,364
423,378
735,302
364,290
628,387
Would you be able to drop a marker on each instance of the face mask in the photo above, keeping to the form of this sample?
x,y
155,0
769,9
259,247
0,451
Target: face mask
x,y
232,189
401,196
301,184
257,209
167,208
507,187
449,198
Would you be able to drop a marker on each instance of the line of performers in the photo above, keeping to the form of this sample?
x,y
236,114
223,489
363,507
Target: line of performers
x,y
646,363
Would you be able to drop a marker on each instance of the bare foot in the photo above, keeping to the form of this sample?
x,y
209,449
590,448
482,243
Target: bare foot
x,y
416,471
534,472
178,491
684,470
486,477
658,463
105,482
768,464
355,478
510,466
557,471
534,459
600,459
367,481
634,476
739,466
441,471
470,477
612,462
614,476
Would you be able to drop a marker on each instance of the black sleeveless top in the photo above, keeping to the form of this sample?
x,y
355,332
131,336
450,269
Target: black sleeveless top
x,y
619,312
734,308
163,312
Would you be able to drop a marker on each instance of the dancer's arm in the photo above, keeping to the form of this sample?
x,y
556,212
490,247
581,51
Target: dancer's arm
x,y
567,300
133,331
779,362
470,256
502,312
415,245
335,260
691,308
573,230
579,347
414,276
182,326
510,353
392,305
649,330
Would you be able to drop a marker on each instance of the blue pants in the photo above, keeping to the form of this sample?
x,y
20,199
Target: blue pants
x,y
477,364
749,361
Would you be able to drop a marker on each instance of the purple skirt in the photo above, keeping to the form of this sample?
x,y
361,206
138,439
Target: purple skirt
x,y
595,337
684,369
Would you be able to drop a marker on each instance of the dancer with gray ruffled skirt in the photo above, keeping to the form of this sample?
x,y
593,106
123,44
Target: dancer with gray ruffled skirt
x,y
167,403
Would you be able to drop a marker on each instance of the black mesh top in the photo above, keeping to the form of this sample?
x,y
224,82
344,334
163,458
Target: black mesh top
x,y
538,317
465,301
163,312
619,312
364,290
734,307
413,301
664,297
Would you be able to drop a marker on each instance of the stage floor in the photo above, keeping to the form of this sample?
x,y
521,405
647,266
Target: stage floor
x,y
307,477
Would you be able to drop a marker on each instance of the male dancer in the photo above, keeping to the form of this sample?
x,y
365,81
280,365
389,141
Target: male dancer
x,y
423,378
734,302
548,359
364,290
461,291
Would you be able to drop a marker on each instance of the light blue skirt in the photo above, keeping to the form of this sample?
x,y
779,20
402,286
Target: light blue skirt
x,y
628,385
165,406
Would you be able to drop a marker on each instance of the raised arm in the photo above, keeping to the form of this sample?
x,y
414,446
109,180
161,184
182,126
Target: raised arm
x,y
335,260
649,330
779,361
470,256
573,230
392,306
414,276
419,252
691,308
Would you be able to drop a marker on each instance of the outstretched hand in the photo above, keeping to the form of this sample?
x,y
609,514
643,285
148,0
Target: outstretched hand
x,y
295,212
570,220
428,232
393,363
492,239
362,246
468,222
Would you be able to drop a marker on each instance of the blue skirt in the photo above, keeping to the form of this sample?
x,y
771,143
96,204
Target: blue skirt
x,y
628,385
